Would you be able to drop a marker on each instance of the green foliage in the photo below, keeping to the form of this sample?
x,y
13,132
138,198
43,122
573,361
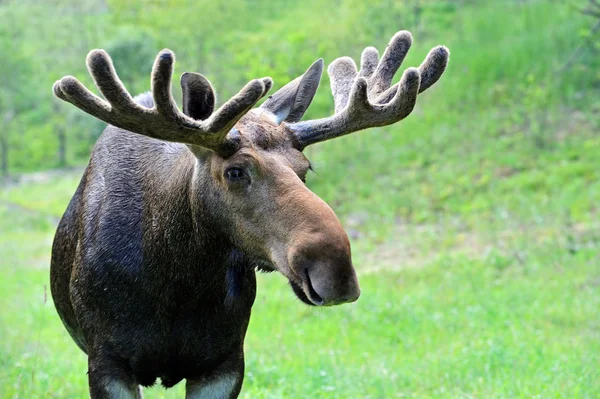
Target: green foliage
x,y
240,40
133,53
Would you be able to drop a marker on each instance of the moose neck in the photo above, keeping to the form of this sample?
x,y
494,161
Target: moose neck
x,y
182,220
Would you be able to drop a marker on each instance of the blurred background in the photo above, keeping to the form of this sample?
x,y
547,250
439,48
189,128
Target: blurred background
x,y
474,222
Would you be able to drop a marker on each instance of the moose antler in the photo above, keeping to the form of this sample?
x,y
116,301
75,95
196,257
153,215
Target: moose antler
x,y
364,99
165,121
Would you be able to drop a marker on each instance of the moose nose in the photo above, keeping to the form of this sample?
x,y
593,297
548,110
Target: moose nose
x,y
320,256
328,285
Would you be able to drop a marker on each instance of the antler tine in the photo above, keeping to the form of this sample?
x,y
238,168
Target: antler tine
x,y
165,121
103,72
342,73
369,60
229,113
162,72
71,90
364,99
431,70
433,67
392,58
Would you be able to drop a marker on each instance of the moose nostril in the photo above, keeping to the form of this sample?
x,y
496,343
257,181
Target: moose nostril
x,y
324,288
312,293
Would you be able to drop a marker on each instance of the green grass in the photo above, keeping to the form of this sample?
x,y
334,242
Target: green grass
x,y
474,224
518,319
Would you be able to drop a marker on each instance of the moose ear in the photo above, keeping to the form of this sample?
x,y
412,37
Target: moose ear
x,y
291,101
198,96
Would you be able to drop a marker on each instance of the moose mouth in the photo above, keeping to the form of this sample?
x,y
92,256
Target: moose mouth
x,y
306,293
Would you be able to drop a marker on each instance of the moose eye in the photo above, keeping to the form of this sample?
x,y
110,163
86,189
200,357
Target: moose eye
x,y
235,174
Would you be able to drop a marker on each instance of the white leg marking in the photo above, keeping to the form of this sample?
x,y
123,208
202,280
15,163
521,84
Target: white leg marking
x,y
215,388
120,390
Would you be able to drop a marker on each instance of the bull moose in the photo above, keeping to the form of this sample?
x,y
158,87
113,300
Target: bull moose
x,y
153,263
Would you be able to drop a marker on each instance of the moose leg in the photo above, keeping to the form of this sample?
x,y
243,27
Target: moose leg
x,y
224,383
109,380
224,386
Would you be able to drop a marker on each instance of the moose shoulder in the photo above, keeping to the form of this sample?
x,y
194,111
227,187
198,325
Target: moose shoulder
x,y
153,263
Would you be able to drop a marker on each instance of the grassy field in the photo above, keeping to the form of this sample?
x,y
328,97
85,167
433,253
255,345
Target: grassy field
x,y
505,312
474,223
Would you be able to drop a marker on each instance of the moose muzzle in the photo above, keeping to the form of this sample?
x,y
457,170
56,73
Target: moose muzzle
x,y
321,260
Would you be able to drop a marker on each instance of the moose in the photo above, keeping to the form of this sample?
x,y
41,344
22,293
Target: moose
x,y
153,263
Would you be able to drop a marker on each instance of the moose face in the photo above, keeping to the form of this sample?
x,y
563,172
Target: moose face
x,y
274,217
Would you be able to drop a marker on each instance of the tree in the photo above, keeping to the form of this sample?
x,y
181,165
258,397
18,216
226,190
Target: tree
x,y
17,92
133,53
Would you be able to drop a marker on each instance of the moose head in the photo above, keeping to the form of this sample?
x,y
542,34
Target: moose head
x,y
250,170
